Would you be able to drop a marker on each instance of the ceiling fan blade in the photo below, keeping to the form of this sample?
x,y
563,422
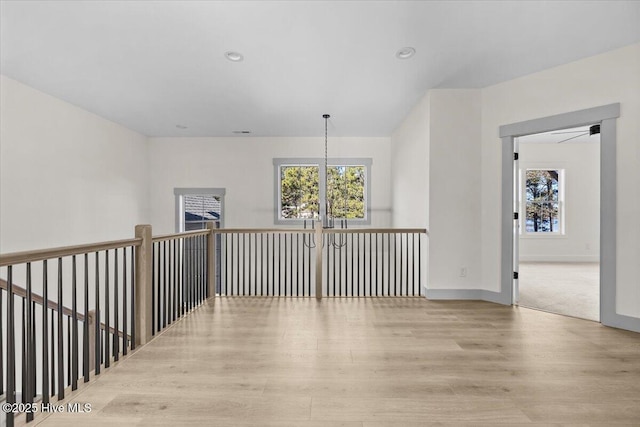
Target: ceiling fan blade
x,y
573,137
568,131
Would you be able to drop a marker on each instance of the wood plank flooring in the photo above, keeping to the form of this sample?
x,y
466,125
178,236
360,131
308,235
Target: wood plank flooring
x,y
374,362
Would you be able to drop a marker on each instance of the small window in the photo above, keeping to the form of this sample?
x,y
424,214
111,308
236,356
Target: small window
x,y
300,190
543,204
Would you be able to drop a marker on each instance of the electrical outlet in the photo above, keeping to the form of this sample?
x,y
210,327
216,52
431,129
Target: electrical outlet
x,y
587,246
463,271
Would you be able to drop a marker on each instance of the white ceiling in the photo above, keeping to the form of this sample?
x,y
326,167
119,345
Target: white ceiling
x,y
152,65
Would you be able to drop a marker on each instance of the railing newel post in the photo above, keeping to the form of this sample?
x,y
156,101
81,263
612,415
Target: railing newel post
x,y
143,304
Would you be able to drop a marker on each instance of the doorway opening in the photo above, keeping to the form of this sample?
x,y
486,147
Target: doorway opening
x,y
557,232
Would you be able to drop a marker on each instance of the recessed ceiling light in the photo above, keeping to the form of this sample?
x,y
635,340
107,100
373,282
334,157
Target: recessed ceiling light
x,y
234,56
405,53
244,132
181,126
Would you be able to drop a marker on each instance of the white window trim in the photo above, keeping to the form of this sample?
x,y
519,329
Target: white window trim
x,y
319,161
562,178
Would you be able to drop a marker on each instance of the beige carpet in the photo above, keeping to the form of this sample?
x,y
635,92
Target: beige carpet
x,y
572,289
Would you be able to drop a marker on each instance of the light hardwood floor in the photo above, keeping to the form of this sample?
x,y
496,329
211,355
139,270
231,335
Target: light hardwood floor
x,y
372,362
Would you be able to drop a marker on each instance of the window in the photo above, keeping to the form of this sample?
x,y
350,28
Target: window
x,y
543,202
197,206
300,189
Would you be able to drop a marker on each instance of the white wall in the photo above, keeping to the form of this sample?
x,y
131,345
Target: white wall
x,y
409,168
244,167
454,171
581,164
66,176
435,177
599,80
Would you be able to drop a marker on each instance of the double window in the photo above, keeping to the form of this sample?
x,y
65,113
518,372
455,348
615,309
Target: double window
x,y
302,192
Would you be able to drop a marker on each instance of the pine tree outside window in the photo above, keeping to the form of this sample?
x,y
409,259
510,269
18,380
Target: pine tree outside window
x,y
300,190
543,202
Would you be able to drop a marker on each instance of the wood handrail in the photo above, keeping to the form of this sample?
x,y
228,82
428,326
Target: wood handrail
x,y
262,230
42,254
52,305
180,235
324,230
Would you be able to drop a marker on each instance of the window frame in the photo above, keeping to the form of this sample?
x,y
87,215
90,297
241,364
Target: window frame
x,y
561,233
279,162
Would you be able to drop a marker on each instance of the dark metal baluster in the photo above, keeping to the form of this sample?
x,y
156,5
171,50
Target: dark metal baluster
x,y
413,264
339,266
298,265
238,264
125,343
358,264
30,350
188,272
73,355
249,270
389,264
407,263
194,272
328,266
107,345
255,261
272,264
230,256
344,255
419,266
11,344
227,258
279,267
286,281
377,258
34,349
255,270
370,265
262,264
68,350
116,323
133,299
98,334
203,265
333,249
23,353
53,354
176,313
401,264
165,288
309,265
198,273
352,255
45,334
60,335
395,266
153,288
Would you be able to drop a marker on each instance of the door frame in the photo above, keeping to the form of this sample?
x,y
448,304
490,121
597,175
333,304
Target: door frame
x,y
606,116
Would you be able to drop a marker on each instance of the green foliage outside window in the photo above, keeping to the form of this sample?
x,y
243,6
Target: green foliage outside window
x,y
299,190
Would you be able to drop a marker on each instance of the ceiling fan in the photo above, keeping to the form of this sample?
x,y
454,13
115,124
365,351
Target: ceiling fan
x,y
593,130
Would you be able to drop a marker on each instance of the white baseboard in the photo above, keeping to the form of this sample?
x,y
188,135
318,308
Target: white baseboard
x,y
559,258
